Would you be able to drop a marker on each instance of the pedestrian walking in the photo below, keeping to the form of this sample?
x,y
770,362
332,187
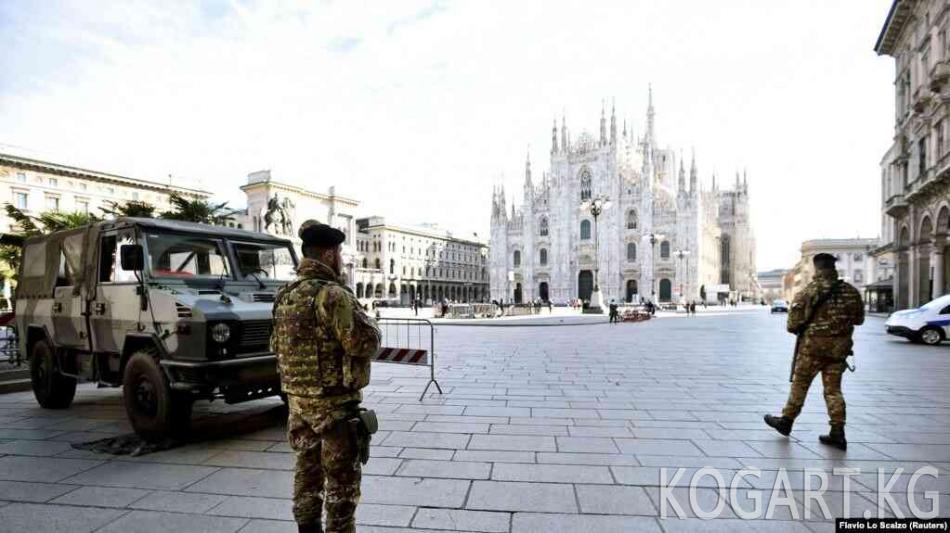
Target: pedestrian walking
x,y
323,341
613,311
823,316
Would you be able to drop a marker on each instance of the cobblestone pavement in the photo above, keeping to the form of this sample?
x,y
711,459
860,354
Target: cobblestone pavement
x,y
540,429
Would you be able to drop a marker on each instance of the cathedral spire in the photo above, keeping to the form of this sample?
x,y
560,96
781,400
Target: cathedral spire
x,y
564,147
693,174
624,128
603,125
682,177
650,116
613,123
527,168
554,137
714,188
738,183
745,181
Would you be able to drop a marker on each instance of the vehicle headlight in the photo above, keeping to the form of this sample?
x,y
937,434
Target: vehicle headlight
x,y
221,332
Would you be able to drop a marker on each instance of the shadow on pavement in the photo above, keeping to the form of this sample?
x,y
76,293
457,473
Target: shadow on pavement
x,y
206,428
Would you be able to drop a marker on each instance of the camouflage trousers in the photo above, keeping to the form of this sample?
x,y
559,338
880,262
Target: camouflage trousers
x,y
806,368
327,471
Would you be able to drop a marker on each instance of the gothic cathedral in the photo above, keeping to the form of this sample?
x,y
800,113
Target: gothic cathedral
x,y
662,237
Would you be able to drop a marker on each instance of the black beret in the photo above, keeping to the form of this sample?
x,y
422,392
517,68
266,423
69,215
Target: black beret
x,y
314,233
824,259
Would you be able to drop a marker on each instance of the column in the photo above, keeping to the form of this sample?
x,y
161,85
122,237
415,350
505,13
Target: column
x,y
936,260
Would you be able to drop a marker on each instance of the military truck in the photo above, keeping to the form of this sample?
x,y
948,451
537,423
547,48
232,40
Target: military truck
x,y
173,312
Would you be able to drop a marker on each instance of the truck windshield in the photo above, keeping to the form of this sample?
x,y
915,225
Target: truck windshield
x,y
264,260
186,256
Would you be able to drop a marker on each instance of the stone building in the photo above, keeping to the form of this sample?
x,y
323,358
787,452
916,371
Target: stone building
x,y
915,170
772,284
279,208
404,263
664,238
856,264
36,186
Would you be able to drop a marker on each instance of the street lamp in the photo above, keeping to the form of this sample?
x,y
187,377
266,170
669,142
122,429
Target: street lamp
x,y
653,238
596,206
683,254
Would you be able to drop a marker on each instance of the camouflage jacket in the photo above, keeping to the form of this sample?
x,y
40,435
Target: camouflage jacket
x,y
322,337
828,309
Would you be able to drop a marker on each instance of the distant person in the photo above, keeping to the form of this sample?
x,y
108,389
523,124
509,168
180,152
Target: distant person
x,y
613,312
823,316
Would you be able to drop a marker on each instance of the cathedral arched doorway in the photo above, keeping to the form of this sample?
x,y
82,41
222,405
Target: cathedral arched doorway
x,y
585,284
518,293
631,290
666,290
543,291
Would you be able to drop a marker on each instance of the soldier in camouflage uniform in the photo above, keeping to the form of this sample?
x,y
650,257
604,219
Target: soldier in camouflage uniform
x,y
323,341
824,315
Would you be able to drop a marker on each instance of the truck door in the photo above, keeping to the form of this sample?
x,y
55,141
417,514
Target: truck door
x,y
69,327
114,309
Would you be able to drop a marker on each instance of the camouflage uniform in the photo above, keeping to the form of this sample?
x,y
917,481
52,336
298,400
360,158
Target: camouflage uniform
x,y
323,341
826,341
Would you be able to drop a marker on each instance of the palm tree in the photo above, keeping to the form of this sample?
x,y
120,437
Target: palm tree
x,y
28,226
198,211
131,208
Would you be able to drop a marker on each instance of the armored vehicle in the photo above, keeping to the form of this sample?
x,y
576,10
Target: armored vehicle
x,y
173,312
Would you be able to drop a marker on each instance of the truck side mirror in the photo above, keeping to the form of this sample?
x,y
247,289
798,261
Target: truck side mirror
x,y
132,257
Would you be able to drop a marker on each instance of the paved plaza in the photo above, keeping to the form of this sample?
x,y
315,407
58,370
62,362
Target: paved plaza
x,y
540,429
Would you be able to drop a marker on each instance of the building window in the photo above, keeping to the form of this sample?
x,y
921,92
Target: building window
x,y
858,257
135,195
52,203
921,157
939,131
543,231
631,251
82,206
859,276
378,265
543,256
632,219
21,177
665,250
365,263
585,230
53,182
585,184
516,258
20,200
392,266
111,191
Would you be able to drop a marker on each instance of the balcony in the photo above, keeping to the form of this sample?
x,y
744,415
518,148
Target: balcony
x,y
939,75
896,206
922,98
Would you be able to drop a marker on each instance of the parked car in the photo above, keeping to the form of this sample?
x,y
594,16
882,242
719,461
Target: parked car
x,y
779,306
172,312
928,324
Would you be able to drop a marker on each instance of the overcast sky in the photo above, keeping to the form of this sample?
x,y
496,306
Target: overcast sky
x,y
417,108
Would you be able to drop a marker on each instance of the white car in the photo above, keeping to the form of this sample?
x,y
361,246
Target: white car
x,y
928,324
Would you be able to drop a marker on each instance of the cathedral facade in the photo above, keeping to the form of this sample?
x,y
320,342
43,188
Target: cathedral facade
x,y
663,236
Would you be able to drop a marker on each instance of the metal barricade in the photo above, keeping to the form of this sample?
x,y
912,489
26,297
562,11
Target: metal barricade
x,y
9,348
408,341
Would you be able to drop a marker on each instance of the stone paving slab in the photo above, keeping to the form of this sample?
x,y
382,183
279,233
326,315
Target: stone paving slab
x,y
551,430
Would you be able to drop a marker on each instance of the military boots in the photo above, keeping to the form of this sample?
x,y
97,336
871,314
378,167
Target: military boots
x,y
782,424
835,438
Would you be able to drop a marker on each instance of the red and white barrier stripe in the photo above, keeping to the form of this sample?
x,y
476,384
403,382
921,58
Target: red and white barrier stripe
x,y
406,356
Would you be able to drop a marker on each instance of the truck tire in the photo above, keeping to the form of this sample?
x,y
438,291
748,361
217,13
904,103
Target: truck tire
x,y
52,389
155,411
931,336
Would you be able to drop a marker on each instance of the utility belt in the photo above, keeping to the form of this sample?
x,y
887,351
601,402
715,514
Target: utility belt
x,y
364,423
